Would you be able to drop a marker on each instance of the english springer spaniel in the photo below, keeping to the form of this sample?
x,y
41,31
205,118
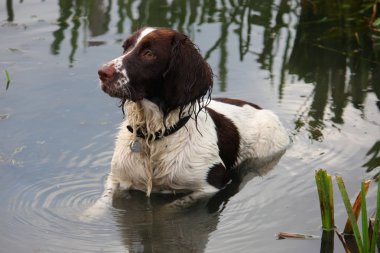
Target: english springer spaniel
x,y
174,137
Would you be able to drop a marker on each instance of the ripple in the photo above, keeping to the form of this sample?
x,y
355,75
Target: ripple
x,y
47,211
319,140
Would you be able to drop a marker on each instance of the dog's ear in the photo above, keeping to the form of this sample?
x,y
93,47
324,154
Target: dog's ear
x,y
188,77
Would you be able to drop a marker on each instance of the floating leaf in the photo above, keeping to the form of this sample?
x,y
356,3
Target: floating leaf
x,y
4,116
18,150
284,235
15,50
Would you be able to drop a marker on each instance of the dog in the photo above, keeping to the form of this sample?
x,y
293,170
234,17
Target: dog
x,y
175,138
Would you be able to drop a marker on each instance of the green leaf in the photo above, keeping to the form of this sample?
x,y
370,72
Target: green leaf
x,y
377,220
7,75
8,79
376,22
350,213
326,200
364,219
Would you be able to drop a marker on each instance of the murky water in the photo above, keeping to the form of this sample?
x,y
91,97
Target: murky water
x,y
317,69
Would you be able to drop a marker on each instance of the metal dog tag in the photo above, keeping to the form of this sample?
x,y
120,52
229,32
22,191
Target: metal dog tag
x,y
135,146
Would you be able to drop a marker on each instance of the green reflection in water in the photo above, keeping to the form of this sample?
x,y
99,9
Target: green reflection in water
x,y
10,12
335,50
374,158
325,43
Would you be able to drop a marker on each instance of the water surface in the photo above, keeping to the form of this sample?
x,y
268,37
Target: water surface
x,y
317,69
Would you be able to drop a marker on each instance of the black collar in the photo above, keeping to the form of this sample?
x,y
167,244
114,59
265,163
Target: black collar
x,y
158,135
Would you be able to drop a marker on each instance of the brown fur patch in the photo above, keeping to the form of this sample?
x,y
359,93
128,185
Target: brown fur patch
x,y
237,102
228,143
218,176
228,138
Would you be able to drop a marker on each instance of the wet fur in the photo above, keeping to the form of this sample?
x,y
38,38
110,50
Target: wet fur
x,y
161,77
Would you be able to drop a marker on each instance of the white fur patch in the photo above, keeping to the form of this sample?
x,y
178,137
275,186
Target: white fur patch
x,y
144,33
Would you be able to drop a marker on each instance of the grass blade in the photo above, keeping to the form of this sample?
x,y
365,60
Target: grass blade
x,y
326,200
357,207
7,75
8,79
350,212
363,192
377,218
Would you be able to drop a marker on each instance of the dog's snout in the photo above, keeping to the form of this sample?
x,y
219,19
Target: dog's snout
x,y
106,73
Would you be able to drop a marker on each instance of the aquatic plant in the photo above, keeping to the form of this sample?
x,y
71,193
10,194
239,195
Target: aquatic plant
x,y
326,199
8,78
352,217
365,241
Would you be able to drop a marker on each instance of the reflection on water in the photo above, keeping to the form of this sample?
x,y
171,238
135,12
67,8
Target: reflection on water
x,y
373,158
10,10
92,15
334,51
147,225
327,45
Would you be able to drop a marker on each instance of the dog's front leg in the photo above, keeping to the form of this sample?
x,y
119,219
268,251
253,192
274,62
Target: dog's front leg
x,y
104,202
192,198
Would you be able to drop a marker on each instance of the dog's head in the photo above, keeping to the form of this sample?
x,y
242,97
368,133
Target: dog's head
x,y
161,65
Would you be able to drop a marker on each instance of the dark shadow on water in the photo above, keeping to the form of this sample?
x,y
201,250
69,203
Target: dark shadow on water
x,y
10,10
147,225
373,162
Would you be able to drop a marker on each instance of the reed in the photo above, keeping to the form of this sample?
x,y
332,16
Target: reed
x,y
365,240
350,213
326,198
375,234
357,207
363,194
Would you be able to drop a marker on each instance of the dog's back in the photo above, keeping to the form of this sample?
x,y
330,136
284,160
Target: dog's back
x,y
261,134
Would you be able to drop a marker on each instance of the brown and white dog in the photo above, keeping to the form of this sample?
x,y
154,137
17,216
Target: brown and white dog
x,y
174,137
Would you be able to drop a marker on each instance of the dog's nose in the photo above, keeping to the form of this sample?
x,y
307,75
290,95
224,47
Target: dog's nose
x,y
106,73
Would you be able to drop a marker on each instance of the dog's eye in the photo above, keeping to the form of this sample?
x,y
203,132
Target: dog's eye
x,y
126,47
148,54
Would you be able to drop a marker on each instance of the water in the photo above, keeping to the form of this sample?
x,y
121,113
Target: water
x,y
318,70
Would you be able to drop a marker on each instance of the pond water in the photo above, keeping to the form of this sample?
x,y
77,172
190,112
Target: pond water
x,y
316,65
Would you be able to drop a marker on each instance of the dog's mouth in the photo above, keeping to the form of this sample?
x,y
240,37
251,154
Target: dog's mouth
x,y
122,90
116,84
